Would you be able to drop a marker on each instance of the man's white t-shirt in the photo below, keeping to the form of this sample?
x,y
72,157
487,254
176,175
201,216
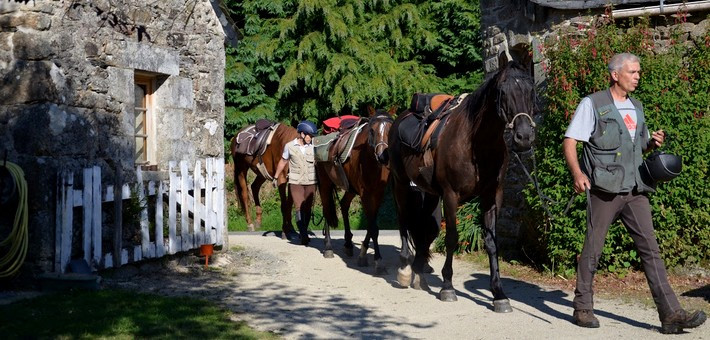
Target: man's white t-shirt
x,y
584,120
287,155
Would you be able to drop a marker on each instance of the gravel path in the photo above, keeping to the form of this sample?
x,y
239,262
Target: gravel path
x,y
292,290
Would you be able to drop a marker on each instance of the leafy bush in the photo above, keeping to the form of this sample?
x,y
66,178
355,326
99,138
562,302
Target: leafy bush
x,y
468,224
674,89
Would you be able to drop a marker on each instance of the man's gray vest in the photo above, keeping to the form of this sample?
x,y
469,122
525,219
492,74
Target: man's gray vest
x,y
611,159
301,167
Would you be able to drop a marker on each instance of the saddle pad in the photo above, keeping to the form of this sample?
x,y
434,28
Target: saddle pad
x,y
244,139
321,146
333,124
351,141
251,141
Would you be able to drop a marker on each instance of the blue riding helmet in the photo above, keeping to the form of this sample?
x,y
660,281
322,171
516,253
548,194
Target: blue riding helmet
x,y
307,128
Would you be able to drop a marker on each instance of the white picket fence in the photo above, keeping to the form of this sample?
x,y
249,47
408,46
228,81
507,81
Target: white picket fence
x,y
201,218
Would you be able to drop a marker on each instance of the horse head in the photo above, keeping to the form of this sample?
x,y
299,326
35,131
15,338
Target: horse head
x,y
516,103
378,132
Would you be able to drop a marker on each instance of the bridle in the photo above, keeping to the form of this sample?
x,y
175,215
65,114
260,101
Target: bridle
x,y
371,139
509,124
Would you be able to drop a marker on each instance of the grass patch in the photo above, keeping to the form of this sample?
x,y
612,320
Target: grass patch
x,y
271,209
120,314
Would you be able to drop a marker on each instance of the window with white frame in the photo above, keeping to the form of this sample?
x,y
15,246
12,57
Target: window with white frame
x,y
144,130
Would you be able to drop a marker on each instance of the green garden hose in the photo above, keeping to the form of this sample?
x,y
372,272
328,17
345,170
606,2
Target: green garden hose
x,y
17,240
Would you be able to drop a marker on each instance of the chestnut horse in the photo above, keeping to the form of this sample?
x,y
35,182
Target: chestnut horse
x,y
270,158
469,160
367,176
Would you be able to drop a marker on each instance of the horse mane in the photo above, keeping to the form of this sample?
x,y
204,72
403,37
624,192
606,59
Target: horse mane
x,y
477,102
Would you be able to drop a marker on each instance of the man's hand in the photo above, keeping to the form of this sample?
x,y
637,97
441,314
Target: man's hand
x,y
581,182
657,138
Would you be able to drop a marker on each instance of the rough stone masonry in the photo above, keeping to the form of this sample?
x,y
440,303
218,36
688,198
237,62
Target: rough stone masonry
x,y
67,92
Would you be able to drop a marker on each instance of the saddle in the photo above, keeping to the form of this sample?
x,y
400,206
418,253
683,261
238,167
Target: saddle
x,y
420,128
334,149
336,146
254,139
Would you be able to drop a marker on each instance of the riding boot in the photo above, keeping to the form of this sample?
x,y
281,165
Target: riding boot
x,y
302,229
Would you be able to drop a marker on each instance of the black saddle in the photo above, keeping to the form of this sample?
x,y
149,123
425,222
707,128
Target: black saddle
x,y
427,116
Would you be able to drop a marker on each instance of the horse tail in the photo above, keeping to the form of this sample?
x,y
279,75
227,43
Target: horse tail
x,y
331,218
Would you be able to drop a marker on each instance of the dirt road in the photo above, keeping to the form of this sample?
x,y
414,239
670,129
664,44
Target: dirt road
x,y
292,290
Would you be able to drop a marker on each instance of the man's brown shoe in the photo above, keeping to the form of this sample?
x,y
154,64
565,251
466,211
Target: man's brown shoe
x,y
682,319
585,318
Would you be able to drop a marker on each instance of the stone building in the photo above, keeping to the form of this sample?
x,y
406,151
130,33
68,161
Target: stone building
x,y
113,84
518,27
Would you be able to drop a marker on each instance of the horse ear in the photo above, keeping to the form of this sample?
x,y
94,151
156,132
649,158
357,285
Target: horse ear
x,y
371,110
392,110
503,59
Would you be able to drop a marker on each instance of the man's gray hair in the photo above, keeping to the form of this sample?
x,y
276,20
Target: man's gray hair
x,y
618,60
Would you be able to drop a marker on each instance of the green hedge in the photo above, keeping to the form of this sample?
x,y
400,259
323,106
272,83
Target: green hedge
x,y
674,89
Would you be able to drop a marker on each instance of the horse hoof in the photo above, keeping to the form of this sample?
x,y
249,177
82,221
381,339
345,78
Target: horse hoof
x,y
447,295
362,261
502,306
404,276
419,283
328,254
348,252
250,227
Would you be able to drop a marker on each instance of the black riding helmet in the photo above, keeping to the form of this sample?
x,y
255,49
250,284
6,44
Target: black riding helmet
x,y
661,167
308,128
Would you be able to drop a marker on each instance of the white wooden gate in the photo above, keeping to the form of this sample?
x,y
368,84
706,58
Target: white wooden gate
x,y
201,218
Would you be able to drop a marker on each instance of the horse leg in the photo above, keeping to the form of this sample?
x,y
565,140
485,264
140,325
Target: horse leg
x,y
401,193
240,186
430,222
448,293
326,190
371,202
345,212
255,188
501,304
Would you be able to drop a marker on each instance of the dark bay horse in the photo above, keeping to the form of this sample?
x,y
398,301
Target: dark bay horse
x,y
367,176
270,158
470,160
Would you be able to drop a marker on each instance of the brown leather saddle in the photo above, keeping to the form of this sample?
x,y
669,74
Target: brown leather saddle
x,y
253,139
427,115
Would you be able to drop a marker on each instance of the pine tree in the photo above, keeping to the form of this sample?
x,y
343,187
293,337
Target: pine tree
x,y
313,59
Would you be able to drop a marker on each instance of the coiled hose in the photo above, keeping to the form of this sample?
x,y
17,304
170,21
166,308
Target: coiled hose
x,y
17,240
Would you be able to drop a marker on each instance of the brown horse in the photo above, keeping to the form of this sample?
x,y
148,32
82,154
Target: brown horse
x,y
367,176
270,158
470,159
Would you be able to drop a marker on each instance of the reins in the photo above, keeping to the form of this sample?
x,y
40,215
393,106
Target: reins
x,y
543,198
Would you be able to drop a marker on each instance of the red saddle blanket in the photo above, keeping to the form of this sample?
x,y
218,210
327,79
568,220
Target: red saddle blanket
x,y
331,125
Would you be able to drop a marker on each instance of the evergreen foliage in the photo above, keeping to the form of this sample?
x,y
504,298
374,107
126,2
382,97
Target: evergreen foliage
x,y
314,59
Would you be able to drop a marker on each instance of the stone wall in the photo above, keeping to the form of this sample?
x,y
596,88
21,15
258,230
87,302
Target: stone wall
x,y
67,91
518,26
